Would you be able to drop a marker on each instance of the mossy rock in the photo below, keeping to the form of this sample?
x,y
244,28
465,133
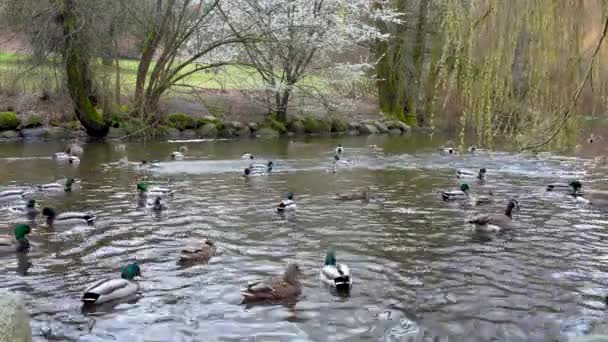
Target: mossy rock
x,y
208,131
274,125
267,133
316,126
297,127
181,121
208,119
8,121
338,126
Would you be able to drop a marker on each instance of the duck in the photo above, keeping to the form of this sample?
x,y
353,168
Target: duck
x,y
57,186
261,168
481,175
73,160
74,150
154,191
18,242
285,287
495,222
456,195
111,289
375,148
61,156
571,187
149,163
363,195
287,204
200,253
247,156
157,205
68,217
12,194
448,148
336,276
177,155
472,149
29,210
598,198
339,149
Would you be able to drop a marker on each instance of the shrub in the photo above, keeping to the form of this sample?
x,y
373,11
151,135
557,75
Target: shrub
x,y
338,125
181,121
8,121
314,125
33,121
273,124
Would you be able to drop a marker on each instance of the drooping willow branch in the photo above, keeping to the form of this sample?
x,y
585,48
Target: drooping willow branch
x,y
577,94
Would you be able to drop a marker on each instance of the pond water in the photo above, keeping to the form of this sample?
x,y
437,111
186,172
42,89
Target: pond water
x,y
419,271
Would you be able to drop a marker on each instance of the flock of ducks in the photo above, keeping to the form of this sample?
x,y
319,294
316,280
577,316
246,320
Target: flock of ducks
x,y
284,287
287,286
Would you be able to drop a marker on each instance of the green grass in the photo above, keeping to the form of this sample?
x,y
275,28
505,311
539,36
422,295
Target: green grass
x,y
17,72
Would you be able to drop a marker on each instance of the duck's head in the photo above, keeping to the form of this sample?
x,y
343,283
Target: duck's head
x,y
330,258
31,204
482,173
21,231
130,271
464,187
68,184
576,185
247,171
292,273
450,150
289,196
270,164
49,213
142,187
513,204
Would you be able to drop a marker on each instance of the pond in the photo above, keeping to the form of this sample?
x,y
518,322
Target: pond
x,y
419,270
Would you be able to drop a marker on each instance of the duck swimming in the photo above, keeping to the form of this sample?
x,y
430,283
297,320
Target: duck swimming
x,y
470,174
179,155
495,222
154,191
247,156
18,242
73,160
197,254
597,198
336,276
285,287
456,195
68,217
339,149
108,289
57,186
287,204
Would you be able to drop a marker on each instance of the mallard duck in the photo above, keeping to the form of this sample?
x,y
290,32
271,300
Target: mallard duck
x,y
493,223
339,149
197,254
29,210
61,156
12,194
481,175
247,156
261,169
363,195
448,148
57,186
573,186
18,242
375,148
598,198
157,204
113,289
456,195
68,217
177,156
154,191
74,160
472,149
335,275
280,288
287,204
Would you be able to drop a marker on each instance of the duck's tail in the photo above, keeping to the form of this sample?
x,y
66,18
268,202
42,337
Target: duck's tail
x,y
90,218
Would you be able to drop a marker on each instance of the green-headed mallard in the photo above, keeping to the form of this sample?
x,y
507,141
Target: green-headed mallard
x,y
29,210
72,217
153,191
285,287
197,254
287,204
363,195
495,222
456,195
335,275
113,289
481,175
58,186
18,242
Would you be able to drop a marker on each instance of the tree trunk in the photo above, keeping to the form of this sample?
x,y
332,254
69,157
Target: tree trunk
x,y
282,100
117,74
390,83
418,58
78,74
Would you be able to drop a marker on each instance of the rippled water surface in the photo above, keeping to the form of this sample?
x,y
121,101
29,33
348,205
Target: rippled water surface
x,y
419,271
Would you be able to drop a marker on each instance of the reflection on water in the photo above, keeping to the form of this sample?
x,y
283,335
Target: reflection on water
x,y
419,271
